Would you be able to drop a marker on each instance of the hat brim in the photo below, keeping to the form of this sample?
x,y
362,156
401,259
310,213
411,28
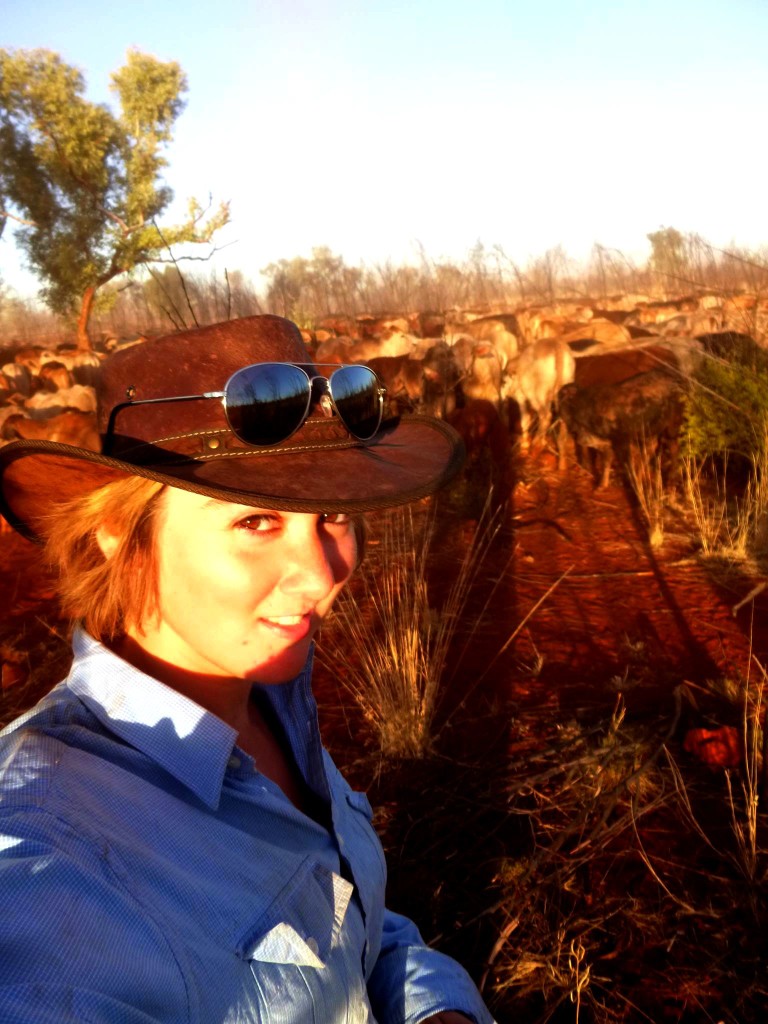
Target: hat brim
x,y
412,461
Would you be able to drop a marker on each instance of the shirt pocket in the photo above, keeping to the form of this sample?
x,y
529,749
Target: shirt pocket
x,y
302,923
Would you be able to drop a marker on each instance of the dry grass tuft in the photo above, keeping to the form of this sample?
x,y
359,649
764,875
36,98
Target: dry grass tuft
x,y
730,523
395,637
645,477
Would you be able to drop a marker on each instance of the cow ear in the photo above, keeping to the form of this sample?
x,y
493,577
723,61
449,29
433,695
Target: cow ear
x,y
107,541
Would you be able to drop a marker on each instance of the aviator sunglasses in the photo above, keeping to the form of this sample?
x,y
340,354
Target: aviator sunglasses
x,y
266,403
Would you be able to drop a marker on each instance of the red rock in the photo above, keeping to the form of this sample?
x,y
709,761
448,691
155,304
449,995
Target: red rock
x,y
720,747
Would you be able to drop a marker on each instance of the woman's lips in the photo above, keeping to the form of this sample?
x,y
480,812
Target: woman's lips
x,y
291,627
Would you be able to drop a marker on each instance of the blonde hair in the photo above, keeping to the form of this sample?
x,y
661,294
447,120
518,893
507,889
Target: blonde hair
x,y
107,594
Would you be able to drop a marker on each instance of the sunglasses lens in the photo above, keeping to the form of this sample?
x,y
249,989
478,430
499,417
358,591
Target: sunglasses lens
x,y
355,393
267,402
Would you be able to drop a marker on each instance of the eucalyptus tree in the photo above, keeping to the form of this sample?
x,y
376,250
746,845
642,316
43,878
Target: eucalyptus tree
x,y
83,183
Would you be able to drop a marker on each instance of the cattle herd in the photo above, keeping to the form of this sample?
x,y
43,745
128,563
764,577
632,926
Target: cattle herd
x,y
609,373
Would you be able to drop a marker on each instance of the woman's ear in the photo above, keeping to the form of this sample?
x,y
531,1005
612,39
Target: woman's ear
x,y
107,541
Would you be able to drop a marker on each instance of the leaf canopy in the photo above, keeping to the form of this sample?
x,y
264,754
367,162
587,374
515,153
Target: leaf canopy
x,y
84,184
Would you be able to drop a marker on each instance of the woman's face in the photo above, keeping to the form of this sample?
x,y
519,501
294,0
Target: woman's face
x,y
242,590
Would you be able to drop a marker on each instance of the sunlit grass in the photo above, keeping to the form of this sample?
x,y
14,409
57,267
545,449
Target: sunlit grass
x,y
396,640
645,477
726,524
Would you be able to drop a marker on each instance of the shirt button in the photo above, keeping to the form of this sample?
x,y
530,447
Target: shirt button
x,y
312,943
234,762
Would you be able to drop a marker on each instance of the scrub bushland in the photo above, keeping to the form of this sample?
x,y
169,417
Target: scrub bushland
x,y
579,862
725,460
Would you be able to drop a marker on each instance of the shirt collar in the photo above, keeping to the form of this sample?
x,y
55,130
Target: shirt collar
x,y
182,737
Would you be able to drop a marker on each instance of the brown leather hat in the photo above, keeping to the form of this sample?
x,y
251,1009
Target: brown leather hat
x,y
189,444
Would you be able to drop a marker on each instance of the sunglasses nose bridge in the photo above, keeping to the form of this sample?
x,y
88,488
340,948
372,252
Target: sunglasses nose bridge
x,y
320,396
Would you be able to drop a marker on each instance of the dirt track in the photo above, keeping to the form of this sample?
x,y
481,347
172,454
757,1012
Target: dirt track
x,y
621,601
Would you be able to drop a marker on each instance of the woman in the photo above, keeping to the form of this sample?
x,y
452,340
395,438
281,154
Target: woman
x,y
175,844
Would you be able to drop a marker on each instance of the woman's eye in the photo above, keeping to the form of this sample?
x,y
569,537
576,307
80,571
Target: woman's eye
x,y
256,523
336,518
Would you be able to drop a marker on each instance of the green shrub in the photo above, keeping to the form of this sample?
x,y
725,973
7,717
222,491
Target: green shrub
x,y
727,411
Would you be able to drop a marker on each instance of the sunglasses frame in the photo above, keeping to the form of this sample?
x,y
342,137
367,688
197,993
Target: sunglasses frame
x,y
222,395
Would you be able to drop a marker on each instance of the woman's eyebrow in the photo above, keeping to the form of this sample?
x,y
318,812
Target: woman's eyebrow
x,y
235,507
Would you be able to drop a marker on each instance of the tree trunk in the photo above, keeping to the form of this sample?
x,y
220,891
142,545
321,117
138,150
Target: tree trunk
x,y
86,305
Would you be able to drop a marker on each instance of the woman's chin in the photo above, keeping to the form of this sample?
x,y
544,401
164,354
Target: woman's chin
x,y
283,667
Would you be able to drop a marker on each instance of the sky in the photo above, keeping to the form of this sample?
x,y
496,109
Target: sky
x,y
379,129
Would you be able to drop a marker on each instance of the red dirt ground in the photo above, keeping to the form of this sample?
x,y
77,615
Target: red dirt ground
x,y
621,601
615,614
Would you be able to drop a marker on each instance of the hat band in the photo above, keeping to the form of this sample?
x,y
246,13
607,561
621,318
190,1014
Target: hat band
x,y
267,403
205,445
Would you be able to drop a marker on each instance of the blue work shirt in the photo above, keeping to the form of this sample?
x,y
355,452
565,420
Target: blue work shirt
x,y
149,873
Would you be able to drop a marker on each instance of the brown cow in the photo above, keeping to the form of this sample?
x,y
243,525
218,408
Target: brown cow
x,y
604,331
21,378
45,404
373,327
502,332
339,324
480,369
614,418
334,350
611,367
533,381
734,346
337,350
441,376
431,325
70,427
403,379
54,376
427,384
29,356
86,368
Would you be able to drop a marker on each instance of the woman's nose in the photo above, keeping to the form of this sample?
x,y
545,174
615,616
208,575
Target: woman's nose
x,y
313,567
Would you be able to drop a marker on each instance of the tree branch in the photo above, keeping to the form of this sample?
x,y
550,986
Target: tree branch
x,y
119,220
179,259
181,325
181,276
229,296
19,220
